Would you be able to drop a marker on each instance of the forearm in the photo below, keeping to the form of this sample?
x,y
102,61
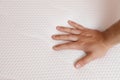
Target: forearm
x,y
112,34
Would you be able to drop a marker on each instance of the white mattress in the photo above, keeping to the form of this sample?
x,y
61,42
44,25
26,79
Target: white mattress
x,y
26,51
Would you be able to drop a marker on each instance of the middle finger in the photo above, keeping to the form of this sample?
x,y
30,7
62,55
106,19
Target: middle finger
x,y
69,37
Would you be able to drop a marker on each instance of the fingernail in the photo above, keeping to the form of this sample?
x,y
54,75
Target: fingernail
x,y
55,48
69,21
53,36
78,66
58,27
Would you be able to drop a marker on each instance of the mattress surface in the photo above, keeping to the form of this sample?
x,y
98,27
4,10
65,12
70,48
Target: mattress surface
x,y
26,51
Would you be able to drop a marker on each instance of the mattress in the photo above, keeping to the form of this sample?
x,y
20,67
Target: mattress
x,y
26,50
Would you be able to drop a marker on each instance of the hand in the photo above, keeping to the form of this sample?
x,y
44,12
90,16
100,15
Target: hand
x,y
92,42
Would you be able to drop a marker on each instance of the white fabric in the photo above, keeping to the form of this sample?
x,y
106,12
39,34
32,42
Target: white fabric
x,y
26,27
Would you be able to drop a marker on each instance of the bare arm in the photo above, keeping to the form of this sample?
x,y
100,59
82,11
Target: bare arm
x,y
112,34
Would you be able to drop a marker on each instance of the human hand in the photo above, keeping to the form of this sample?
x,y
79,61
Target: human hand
x,y
92,42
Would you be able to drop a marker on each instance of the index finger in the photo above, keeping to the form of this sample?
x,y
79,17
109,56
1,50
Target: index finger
x,y
76,25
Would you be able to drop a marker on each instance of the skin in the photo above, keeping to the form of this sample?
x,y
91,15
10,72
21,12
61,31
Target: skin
x,y
93,42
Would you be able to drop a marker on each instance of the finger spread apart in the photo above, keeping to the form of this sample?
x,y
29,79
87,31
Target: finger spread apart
x,y
68,37
68,45
68,30
76,25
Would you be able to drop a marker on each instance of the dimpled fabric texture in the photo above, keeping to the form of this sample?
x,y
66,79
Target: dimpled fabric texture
x,y
26,51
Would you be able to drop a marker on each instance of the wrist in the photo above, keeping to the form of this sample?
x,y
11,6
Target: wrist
x,y
108,39
112,35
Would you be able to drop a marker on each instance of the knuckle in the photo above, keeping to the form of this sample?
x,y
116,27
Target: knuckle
x,y
62,28
70,36
57,36
75,31
62,37
70,29
74,36
67,29
68,44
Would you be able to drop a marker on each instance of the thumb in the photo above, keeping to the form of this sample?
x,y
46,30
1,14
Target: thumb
x,y
83,61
